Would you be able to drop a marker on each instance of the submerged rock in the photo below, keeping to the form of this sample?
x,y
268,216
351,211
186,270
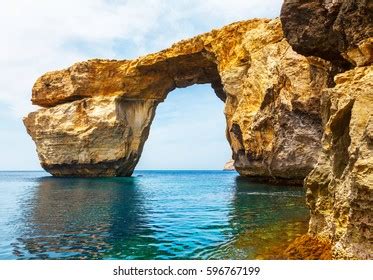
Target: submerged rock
x,y
98,113
309,247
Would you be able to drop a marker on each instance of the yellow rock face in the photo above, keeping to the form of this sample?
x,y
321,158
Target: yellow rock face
x,y
284,114
361,55
340,188
98,113
101,136
272,108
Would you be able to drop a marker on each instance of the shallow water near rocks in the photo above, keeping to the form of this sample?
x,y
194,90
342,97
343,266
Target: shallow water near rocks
x,y
152,215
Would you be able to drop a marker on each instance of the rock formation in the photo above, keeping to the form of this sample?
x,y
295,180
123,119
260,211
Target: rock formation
x,y
286,116
97,114
340,187
327,28
229,165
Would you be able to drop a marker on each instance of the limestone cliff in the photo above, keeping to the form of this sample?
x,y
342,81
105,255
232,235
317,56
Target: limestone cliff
x,y
286,116
98,113
327,28
340,187
101,136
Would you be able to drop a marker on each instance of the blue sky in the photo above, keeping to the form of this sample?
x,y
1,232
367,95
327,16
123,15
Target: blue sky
x,y
44,35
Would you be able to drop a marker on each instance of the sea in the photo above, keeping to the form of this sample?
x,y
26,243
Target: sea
x,y
170,214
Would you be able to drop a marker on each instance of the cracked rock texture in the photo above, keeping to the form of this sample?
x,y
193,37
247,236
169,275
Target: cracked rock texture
x,y
340,187
327,28
97,114
100,136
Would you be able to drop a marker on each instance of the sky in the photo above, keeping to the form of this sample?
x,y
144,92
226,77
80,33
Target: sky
x,y
44,35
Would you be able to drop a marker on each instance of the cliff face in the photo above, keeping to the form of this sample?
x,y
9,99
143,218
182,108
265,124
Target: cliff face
x,y
340,187
327,28
286,116
100,136
98,113
272,109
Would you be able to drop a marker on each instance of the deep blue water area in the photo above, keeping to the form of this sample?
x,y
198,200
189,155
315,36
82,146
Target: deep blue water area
x,y
152,215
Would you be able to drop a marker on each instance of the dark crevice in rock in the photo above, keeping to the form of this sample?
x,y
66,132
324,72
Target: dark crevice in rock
x,y
341,139
236,130
269,98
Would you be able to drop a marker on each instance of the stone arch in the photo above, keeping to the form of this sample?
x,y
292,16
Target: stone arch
x,y
124,102
98,113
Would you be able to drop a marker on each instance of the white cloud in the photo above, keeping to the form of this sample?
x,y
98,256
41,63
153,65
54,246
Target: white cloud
x,y
38,35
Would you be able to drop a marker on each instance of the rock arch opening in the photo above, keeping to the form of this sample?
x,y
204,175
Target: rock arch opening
x,y
188,132
159,79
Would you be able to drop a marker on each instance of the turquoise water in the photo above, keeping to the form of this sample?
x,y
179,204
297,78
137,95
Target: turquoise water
x,y
152,215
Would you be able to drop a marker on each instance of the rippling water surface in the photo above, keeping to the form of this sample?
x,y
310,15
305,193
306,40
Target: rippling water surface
x,y
152,215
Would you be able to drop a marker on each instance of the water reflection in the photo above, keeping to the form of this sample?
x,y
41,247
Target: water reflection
x,y
85,218
160,215
265,219
260,205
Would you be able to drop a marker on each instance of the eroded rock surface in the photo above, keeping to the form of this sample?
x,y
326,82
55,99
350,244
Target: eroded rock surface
x,y
102,136
327,28
97,113
273,109
340,187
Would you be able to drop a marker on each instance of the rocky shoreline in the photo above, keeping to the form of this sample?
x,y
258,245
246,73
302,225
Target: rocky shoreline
x,y
298,105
